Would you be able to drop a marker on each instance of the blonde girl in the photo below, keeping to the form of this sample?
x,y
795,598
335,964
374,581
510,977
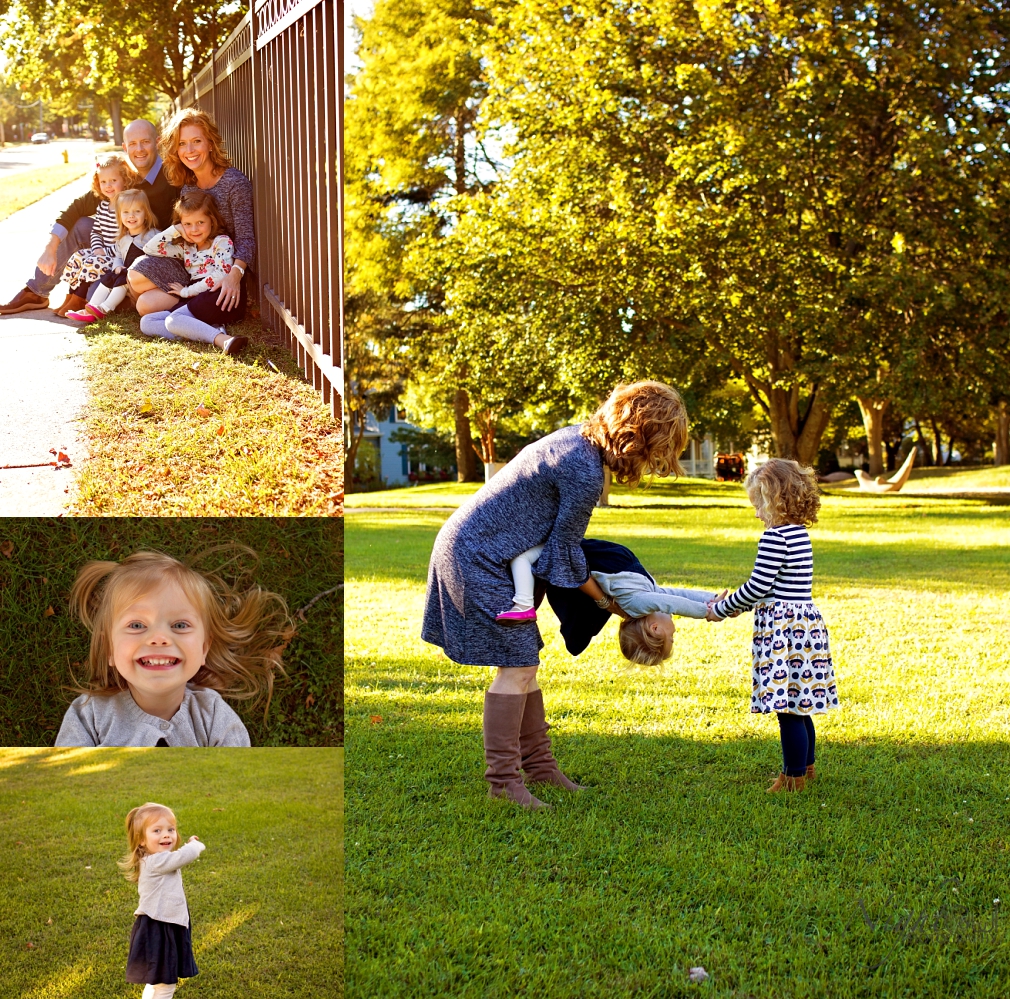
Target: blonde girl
x,y
136,227
543,498
112,176
167,641
792,670
161,941
197,239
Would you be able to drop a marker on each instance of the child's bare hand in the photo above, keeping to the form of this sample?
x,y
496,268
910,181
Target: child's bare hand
x,y
175,287
117,270
193,838
712,616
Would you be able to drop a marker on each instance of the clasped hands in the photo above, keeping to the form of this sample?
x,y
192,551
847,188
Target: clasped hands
x,y
709,604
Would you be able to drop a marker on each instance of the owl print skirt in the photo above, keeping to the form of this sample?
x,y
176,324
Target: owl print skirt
x,y
792,662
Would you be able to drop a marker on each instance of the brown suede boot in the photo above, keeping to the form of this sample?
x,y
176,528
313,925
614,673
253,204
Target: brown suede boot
x,y
784,783
74,303
503,717
810,773
538,762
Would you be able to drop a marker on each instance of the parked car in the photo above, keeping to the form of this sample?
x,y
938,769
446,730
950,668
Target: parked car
x,y
38,137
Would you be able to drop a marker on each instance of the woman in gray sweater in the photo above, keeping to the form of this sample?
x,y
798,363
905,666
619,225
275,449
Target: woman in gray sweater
x,y
544,496
195,157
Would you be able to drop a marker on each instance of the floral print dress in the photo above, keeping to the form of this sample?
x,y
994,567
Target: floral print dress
x,y
206,268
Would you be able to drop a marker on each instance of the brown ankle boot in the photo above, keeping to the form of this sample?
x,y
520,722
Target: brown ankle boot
x,y
503,717
73,303
538,762
784,783
810,773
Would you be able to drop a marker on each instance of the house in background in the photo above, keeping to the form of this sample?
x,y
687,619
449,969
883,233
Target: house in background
x,y
392,462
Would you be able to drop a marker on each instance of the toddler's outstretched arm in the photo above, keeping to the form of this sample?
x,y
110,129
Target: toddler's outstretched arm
x,y
771,554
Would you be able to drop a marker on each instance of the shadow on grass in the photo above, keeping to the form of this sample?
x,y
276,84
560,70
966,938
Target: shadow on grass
x,y
42,647
877,880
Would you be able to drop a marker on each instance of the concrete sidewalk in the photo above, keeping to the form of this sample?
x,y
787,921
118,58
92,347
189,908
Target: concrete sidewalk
x,y
42,387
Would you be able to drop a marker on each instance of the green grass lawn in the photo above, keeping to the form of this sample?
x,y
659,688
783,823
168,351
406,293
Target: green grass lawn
x,y
880,880
265,897
175,428
23,189
40,652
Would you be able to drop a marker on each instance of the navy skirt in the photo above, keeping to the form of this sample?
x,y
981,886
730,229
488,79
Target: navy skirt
x,y
581,620
160,953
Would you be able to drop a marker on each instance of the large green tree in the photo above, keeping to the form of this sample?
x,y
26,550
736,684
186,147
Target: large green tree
x,y
792,192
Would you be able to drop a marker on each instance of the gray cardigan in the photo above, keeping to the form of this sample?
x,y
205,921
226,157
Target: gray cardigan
x,y
203,719
162,896
638,595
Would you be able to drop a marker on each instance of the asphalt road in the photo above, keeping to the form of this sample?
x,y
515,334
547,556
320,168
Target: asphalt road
x,y
18,158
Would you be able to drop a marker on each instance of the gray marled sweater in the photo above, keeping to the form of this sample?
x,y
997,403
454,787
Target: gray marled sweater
x,y
203,719
233,195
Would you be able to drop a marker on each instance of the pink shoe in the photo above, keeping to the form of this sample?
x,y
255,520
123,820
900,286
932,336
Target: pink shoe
x,y
87,315
517,616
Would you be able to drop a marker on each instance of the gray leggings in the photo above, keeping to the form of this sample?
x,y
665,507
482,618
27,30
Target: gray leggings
x,y
178,325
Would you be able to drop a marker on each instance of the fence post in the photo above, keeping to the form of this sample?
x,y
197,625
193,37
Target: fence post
x,y
213,74
337,349
257,178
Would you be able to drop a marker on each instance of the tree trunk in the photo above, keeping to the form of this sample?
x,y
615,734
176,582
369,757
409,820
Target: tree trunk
x,y
351,454
873,412
1002,450
795,436
116,112
459,153
466,456
937,445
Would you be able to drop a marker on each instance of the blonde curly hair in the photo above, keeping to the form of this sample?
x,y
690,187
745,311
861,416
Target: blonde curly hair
x,y
639,645
247,630
112,161
137,821
786,491
168,145
641,429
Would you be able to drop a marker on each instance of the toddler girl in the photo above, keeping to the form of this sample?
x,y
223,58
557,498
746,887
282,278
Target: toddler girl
x,y
136,227
207,253
166,642
161,943
647,609
112,176
792,675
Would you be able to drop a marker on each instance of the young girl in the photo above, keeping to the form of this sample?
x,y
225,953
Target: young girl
x,y
161,942
136,227
793,675
647,629
166,642
112,176
197,237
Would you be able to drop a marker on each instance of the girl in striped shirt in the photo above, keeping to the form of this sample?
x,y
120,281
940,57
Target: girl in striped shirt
x,y
792,671
113,175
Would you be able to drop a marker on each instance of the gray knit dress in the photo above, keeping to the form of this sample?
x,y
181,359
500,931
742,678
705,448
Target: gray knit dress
x,y
544,496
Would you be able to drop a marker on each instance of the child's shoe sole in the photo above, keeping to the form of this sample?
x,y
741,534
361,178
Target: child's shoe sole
x,y
516,617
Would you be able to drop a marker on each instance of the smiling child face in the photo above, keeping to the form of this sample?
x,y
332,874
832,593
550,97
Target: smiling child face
x,y
160,836
110,181
159,641
133,218
196,228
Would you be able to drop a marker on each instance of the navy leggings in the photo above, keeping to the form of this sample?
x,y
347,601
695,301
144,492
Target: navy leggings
x,y
798,741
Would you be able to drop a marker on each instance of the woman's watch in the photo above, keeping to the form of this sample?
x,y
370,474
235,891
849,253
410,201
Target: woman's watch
x,y
239,268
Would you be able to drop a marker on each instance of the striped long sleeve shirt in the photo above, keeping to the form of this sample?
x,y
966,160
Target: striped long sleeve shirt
x,y
784,570
105,231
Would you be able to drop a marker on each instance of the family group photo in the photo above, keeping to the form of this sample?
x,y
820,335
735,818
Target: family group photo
x,y
171,307
678,499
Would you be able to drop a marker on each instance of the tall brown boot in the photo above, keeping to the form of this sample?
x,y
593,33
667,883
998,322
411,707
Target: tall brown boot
x,y
538,762
503,717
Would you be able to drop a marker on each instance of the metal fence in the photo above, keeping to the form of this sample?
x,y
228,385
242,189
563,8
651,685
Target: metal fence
x,y
275,90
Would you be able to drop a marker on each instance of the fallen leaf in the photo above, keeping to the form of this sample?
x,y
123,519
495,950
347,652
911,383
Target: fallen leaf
x,y
202,410
166,471
220,430
49,612
49,921
217,809
31,946
52,450
195,365
309,701
375,719
63,457
147,407
7,549
44,580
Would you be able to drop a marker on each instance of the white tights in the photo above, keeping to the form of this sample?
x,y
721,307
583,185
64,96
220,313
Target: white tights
x,y
181,324
158,991
108,299
522,577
